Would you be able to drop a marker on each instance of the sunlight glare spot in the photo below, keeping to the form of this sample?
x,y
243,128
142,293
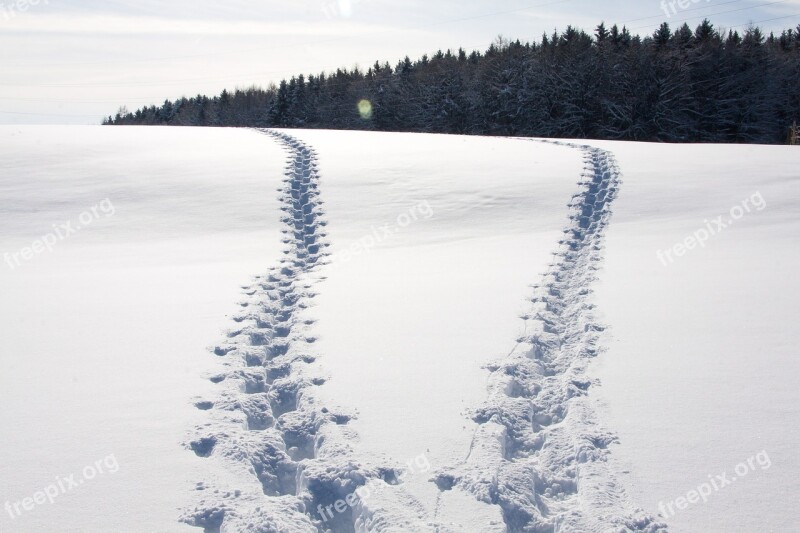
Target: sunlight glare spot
x,y
365,109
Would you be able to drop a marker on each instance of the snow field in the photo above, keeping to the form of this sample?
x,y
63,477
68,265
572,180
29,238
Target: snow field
x,y
429,329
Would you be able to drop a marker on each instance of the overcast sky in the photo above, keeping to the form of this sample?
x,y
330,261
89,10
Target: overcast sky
x,y
75,61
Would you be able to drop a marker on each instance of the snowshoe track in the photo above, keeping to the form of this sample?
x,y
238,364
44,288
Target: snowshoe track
x,y
539,451
267,423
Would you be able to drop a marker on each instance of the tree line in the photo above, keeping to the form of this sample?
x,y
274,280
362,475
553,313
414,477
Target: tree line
x,y
673,86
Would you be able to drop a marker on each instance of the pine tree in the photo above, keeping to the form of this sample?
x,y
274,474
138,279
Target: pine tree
x,y
662,36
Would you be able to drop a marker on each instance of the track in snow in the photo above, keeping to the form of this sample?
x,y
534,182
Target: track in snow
x,y
538,451
267,422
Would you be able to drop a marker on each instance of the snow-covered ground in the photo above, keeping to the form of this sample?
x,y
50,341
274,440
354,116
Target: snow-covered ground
x,y
228,340
701,372
105,338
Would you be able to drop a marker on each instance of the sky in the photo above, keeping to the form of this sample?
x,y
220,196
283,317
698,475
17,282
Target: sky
x,y
77,61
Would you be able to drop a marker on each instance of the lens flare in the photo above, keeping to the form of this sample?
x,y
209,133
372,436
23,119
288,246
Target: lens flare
x,y
365,109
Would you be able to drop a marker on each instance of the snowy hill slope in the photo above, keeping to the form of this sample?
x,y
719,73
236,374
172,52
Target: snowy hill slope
x,y
389,366
699,375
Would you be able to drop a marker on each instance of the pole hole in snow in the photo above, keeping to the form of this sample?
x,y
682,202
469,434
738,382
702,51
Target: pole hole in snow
x,y
222,351
444,482
204,447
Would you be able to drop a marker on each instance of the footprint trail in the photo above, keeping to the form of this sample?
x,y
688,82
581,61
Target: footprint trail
x,y
539,451
267,423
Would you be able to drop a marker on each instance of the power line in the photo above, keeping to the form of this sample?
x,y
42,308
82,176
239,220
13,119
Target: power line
x,y
324,69
768,20
710,6
236,77
136,100
174,82
85,115
287,45
519,10
715,14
